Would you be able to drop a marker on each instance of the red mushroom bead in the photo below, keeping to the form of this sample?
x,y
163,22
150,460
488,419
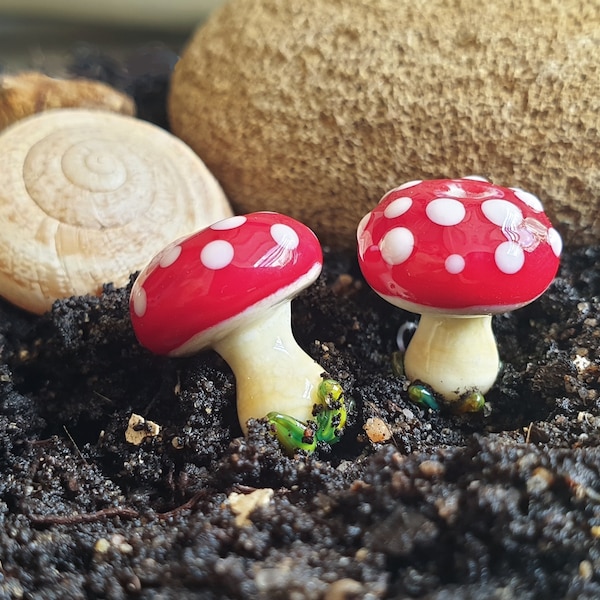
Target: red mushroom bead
x,y
229,287
457,251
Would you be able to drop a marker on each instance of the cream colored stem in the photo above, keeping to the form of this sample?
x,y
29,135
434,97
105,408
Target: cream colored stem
x,y
272,372
453,355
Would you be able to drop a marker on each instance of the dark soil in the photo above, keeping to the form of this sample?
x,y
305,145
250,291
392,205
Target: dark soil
x,y
502,505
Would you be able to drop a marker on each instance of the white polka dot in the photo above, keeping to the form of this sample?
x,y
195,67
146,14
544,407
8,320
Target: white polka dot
x,y
397,207
502,213
445,211
397,245
230,223
409,184
509,257
555,241
216,255
140,302
169,256
284,236
532,201
476,178
455,264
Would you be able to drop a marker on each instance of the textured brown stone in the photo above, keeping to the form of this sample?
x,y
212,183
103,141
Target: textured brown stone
x,y
31,92
317,108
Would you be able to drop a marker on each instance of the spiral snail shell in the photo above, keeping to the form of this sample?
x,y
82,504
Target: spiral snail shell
x,y
88,197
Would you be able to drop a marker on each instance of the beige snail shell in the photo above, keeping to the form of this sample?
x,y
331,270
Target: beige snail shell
x,y
89,197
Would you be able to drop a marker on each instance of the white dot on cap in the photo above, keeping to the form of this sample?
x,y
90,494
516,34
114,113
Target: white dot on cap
x,y
230,223
445,211
397,207
502,213
216,255
454,264
532,201
169,256
509,257
140,302
555,241
409,184
397,245
285,236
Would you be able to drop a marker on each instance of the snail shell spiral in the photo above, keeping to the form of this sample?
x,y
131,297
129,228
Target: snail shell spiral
x,y
88,197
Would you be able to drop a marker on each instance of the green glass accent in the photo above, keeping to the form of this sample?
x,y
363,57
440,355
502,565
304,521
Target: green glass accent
x,y
293,434
473,402
330,416
420,394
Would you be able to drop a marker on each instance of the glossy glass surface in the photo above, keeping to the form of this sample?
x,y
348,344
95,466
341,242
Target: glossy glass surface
x,y
214,275
462,246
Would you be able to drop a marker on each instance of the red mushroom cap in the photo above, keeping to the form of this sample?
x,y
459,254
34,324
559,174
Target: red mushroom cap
x,y
458,246
202,286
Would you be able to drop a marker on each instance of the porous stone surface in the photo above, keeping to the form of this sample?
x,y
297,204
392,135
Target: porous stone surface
x,y
318,108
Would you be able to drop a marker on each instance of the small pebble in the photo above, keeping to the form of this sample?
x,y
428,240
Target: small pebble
x,y
377,430
432,468
344,589
540,480
140,429
243,504
448,507
586,571
101,546
361,554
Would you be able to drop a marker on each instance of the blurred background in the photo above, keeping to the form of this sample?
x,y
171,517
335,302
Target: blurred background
x,y
48,34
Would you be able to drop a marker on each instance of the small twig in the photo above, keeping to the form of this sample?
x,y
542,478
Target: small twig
x,y
528,436
105,513
102,396
44,442
76,446
244,489
189,505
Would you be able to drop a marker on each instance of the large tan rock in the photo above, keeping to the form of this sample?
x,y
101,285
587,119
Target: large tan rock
x,y
317,108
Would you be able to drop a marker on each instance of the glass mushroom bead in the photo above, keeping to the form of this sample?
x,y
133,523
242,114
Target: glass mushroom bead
x,y
229,287
457,251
